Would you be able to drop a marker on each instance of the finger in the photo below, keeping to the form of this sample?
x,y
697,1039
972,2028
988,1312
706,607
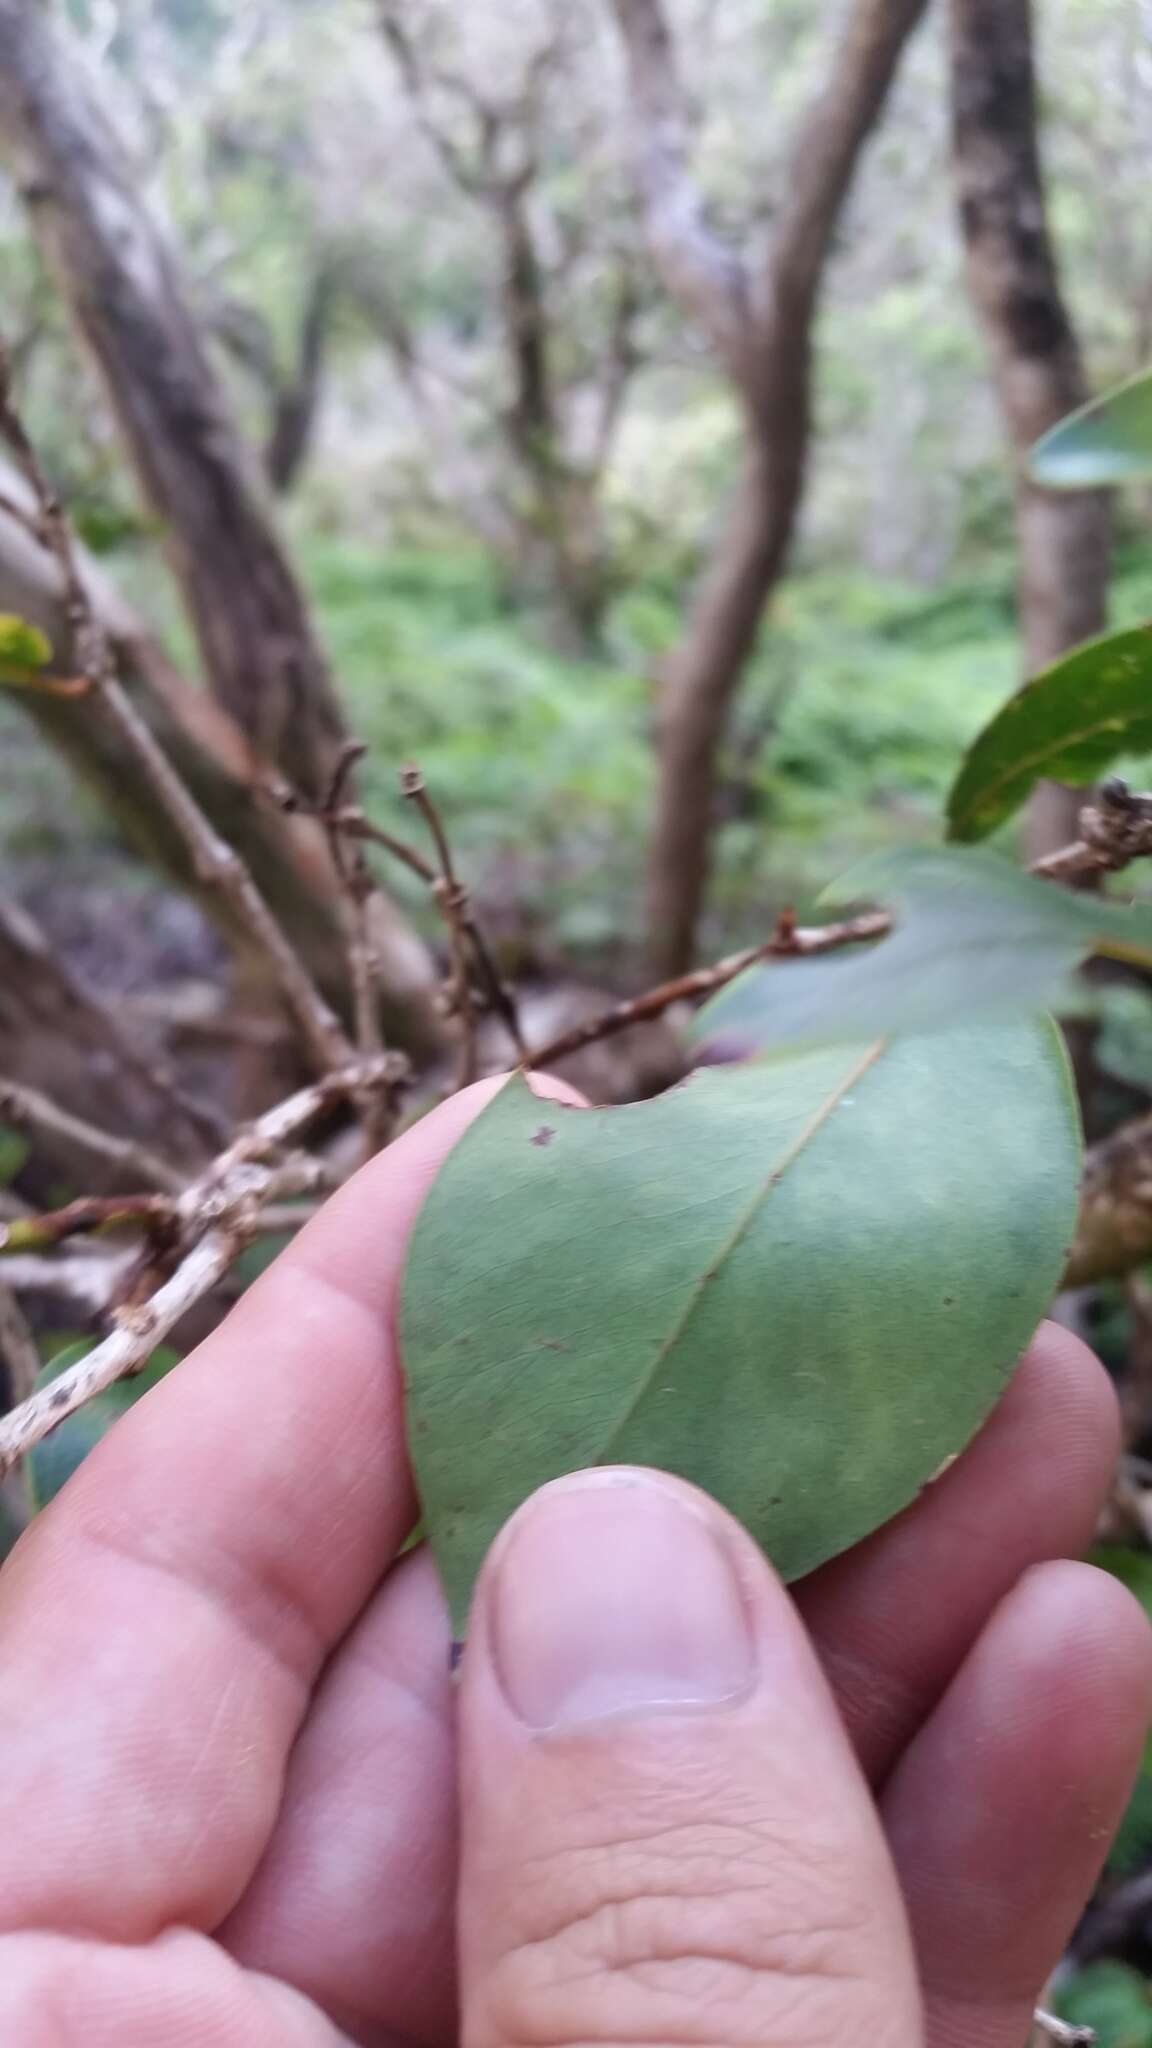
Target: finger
x,y
162,1624
894,1618
665,1836
1001,1813
178,1989
353,1903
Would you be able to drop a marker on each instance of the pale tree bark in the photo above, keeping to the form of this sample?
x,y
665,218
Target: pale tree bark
x,y
125,292
1064,538
287,856
760,326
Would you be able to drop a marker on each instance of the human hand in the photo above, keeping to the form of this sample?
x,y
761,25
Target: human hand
x,y
228,1807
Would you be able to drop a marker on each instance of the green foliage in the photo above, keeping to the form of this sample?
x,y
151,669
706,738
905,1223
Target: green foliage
x,y
1112,1999
24,651
799,1282
53,1461
1071,722
972,936
1109,441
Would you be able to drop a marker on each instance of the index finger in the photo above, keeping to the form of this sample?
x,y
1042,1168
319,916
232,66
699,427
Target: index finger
x,y
163,1623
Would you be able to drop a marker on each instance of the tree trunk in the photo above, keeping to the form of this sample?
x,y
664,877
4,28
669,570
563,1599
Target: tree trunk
x,y
1064,538
126,295
700,679
288,857
760,328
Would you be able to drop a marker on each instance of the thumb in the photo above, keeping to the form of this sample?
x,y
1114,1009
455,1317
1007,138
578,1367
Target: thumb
x,y
666,1837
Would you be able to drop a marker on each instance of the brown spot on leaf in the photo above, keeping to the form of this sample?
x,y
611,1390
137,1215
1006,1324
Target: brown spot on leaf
x,y
544,1135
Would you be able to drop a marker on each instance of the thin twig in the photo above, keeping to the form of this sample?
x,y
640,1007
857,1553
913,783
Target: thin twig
x,y
456,904
788,941
360,896
29,1109
218,1214
1052,2029
451,899
215,863
90,1213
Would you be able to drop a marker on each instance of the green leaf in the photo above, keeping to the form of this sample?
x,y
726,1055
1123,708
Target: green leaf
x,y
1111,1998
1070,722
53,1461
972,936
1108,441
24,651
799,1282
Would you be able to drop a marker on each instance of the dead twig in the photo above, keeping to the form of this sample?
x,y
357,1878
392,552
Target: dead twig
x,y
28,1109
216,863
1114,832
359,895
471,956
450,899
215,1217
1049,2028
34,1233
788,941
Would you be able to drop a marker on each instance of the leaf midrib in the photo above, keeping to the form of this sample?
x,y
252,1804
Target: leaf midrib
x,y
743,1224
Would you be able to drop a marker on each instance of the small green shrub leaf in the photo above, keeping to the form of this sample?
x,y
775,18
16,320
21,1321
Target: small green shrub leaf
x,y
972,936
24,650
1071,722
55,1458
1108,441
799,1282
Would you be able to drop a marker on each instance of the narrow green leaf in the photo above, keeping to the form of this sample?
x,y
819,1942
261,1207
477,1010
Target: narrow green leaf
x,y
799,1282
1108,441
973,936
1071,722
53,1461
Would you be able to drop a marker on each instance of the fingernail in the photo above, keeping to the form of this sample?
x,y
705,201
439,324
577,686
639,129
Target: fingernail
x,y
612,1594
